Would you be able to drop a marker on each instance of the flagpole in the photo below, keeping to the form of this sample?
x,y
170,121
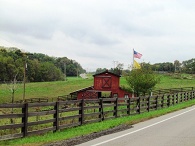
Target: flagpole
x,y
133,59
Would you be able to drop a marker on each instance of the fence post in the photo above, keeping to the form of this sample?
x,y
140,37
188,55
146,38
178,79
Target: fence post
x,y
56,116
101,115
168,100
156,102
139,107
149,103
184,99
129,106
181,97
162,101
81,112
25,120
116,108
177,99
173,99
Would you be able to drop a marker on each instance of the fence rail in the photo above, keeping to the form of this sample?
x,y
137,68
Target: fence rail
x,y
172,90
26,119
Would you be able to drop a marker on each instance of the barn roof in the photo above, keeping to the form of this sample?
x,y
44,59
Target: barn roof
x,y
84,89
107,72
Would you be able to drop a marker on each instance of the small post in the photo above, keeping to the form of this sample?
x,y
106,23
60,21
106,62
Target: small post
x,y
149,103
156,102
169,100
56,117
81,112
162,101
139,105
116,108
173,99
177,99
101,112
184,96
129,106
25,120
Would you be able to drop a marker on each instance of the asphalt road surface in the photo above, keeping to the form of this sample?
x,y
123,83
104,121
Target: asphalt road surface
x,y
174,129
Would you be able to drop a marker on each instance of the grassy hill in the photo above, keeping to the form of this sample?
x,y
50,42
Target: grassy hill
x,y
55,89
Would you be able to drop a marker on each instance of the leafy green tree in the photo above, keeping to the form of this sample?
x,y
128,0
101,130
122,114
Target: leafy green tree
x,y
99,70
118,69
189,66
40,67
142,81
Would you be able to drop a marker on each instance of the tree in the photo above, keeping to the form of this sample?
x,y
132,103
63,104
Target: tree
x,y
189,66
118,69
99,70
177,65
142,81
39,67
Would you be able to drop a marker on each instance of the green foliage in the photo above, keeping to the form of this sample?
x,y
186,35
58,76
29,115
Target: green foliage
x,y
189,66
141,81
163,67
40,67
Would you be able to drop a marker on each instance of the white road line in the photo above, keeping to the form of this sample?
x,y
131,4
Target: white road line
x,y
143,128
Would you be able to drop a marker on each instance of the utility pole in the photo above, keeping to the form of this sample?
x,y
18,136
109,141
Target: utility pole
x,y
65,70
115,62
24,79
77,71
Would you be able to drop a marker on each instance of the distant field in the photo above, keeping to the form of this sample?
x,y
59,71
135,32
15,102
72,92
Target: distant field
x,y
55,89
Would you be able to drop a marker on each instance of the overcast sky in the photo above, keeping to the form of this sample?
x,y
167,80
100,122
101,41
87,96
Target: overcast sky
x,y
97,32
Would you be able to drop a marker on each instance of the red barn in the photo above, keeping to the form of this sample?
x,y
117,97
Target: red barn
x,y
105,83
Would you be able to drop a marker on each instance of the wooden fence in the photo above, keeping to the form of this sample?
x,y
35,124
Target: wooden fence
x,y
33,100
172,90
26,119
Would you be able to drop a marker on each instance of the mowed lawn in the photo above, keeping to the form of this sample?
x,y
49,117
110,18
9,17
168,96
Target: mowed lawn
x,y
54,89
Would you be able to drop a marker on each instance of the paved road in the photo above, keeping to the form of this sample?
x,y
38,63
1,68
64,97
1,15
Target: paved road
x,y
175,129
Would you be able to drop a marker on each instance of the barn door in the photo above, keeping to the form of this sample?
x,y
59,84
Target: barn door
x,y
106,82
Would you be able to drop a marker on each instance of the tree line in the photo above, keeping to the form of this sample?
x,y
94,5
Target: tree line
x,y
187,66
37,67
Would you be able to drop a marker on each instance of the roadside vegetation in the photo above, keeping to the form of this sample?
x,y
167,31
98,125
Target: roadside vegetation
x,y
95,127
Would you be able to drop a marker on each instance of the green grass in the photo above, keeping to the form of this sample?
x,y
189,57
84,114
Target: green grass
x,y
168,81
45,89
58,88
95,127
55,89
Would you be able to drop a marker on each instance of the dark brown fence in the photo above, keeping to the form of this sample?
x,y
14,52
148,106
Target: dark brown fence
x,y
172,90
33,100
25,119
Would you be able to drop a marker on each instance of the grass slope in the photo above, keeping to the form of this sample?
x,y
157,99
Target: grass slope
x,y
57,88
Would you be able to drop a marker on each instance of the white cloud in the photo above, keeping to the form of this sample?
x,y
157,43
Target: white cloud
x,y
96,32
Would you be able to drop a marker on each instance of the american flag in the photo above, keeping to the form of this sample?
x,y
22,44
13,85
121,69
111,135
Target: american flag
x,y
137,55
